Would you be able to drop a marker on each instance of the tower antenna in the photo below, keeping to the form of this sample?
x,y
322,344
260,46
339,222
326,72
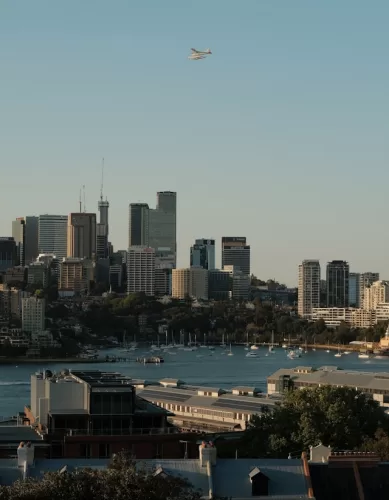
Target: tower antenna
x,y
83,188
102,180
80,202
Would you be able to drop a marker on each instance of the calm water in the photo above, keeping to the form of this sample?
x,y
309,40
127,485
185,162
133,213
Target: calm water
x,y
196,367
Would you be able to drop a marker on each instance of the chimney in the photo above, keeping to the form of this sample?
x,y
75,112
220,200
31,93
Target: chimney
x,y
207,454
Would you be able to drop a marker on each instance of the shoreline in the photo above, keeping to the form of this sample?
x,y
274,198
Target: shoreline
x,y
46,361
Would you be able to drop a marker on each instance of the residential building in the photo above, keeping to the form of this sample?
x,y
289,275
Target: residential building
x,y
52,263
52,235
382,312
354,290
138,227
192,282
308,287
202,254
81,235
141,270
337,283
235,252
240,283
163,281
8,254
75,275
16,274
11,301
354,317
373,384
376,293
33,314
365,280
38,273
219,285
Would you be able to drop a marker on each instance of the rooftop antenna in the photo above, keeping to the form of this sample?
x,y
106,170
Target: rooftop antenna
x,y
80,203
83,189
102,180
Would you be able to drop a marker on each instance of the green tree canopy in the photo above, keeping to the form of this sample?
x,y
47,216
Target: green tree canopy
x,y
122,480
341,417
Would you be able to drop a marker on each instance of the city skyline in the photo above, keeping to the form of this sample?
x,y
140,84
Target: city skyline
x,y
282,130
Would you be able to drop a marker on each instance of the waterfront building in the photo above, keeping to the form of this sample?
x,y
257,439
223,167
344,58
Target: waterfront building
x,y
376,293
235,252
33,315
8,254
141,270
138,225
373,384
308,287
81,235
191,281
382,312
335,316
337,283
365,280
219,285
202,254
52,235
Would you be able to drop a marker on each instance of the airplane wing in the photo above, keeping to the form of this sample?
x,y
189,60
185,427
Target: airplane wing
x,y
194,51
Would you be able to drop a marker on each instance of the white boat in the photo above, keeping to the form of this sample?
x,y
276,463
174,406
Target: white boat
x,y
338,354
230,352
346,352
223,344
293,354
251,355
363,355
254,347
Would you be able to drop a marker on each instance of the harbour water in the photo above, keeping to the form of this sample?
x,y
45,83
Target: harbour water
x,y
200,367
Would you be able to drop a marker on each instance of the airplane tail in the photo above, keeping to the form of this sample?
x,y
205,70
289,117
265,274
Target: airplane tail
x,y
208,51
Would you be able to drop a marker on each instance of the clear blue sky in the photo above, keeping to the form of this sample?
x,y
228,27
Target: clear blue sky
x,y
282,135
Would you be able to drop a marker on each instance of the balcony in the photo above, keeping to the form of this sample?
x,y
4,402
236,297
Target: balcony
x,y
153,431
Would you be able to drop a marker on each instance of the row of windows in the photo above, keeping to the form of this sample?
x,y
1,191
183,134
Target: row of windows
x,y
215,413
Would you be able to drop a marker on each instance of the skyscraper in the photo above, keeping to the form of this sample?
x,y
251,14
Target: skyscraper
x,y
138,225
81,235
52,235
202,254
163,225
236,253
365,280
102,228
337,283
141,270
308,287
25,233
7,253
354,290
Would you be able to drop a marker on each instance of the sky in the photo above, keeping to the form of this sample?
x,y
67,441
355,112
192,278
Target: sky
x,y
282,135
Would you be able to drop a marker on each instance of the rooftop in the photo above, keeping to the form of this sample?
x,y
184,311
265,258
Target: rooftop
x,y
98,378
11,434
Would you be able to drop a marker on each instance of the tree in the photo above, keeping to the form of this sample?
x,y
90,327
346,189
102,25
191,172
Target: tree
x,y
124,479
341,417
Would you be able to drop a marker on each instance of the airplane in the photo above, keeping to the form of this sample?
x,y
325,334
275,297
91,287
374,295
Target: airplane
x,y
199,54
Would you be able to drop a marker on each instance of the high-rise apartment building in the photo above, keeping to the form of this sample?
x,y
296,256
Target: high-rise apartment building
x,y
33,315
75,275
81,235
138,226
353,290
365,280
52,235
25,234
141,270
192,282
308,287
202,254
235,252
376,293
8,256
337,283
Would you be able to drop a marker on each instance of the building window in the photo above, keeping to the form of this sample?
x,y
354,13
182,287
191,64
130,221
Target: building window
x,y
104,450
85,450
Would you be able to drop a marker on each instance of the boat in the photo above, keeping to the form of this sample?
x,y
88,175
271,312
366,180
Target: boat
x,y
223,344
363,355
254,347
294,353
251,355
230,352
271,346
152,360
247,345
338,354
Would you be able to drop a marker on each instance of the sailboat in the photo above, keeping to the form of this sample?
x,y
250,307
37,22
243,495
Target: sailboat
x,y
271,346
338,354
223,344
314,345
328,346
247,346
230,352
364,354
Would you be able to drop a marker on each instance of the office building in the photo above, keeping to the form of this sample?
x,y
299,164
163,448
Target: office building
x,y
11,301
365,280
219,285
19,235
8,255
52,235
25,234
202,254
163,225
38,273
354,290
101,241
240,282
75,275
141,270
337,283
138,225
192,282
308,287
33,315
16,274
81,235
235,252
376,293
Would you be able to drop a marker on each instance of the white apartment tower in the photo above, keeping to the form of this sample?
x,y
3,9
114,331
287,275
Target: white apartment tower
x,y
376,293
366,280
52,235
33,315
141,270
308,287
